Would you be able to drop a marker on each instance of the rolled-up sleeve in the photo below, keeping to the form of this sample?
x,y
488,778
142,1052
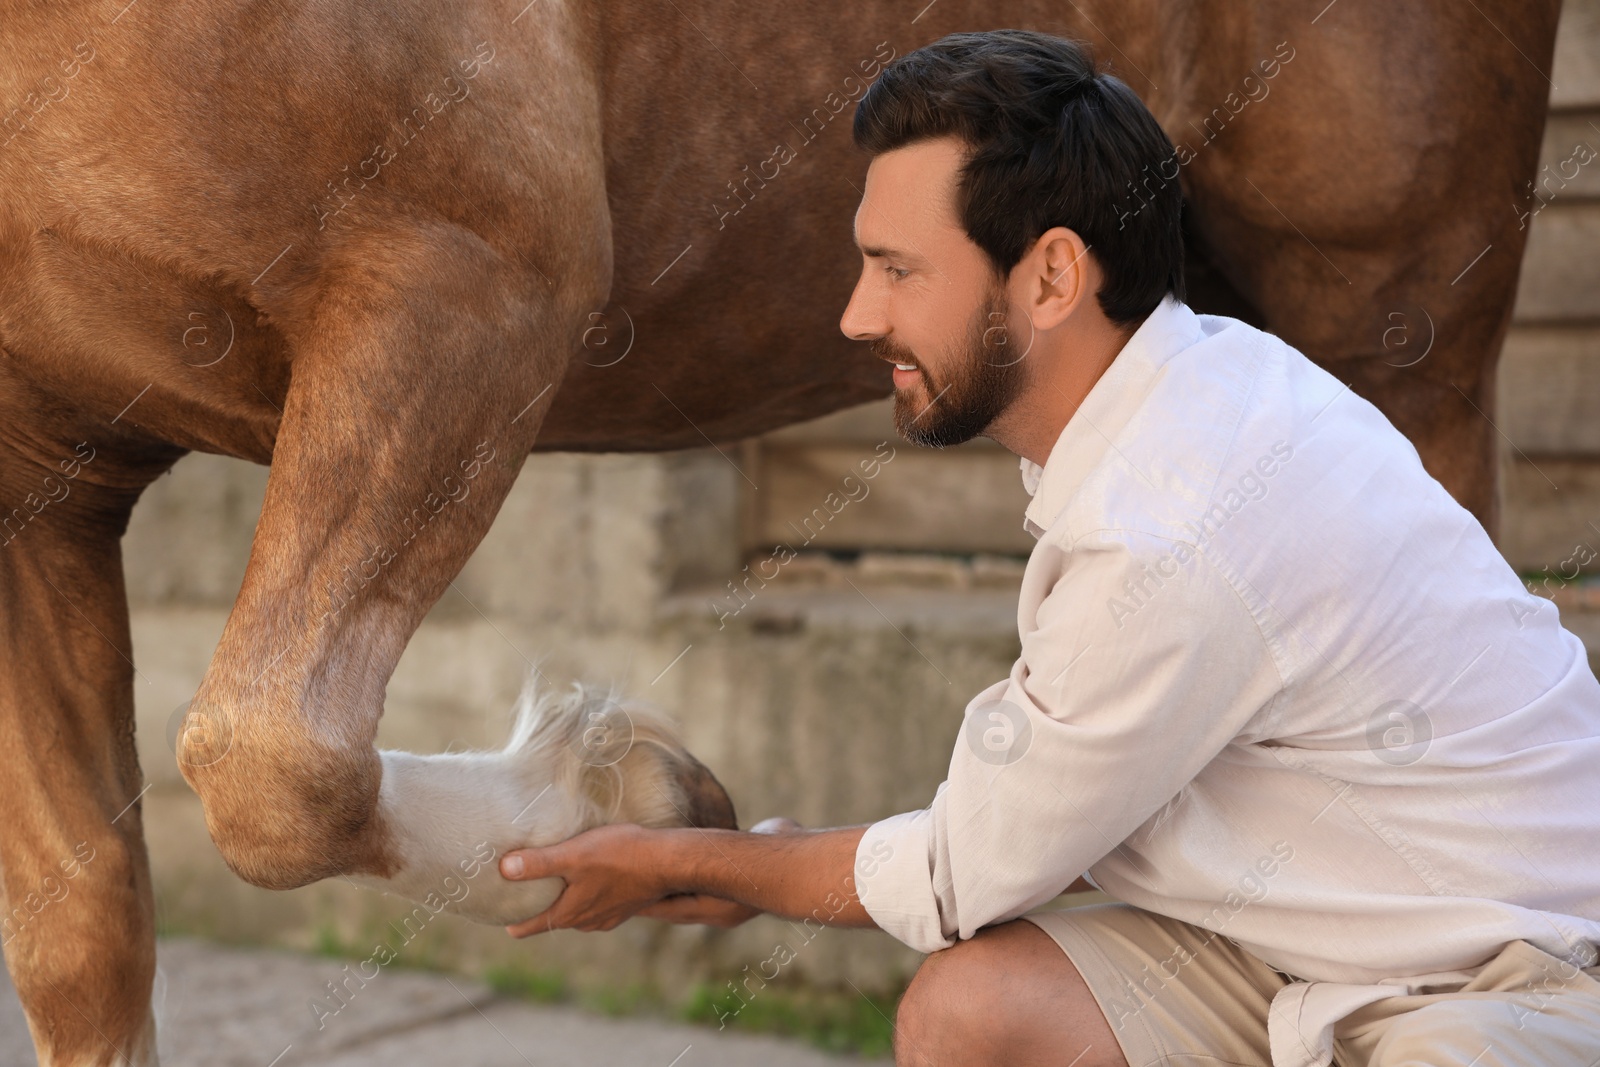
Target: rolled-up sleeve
x,y
895,872
1141,664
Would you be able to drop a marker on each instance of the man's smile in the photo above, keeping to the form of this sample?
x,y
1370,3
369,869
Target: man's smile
x,y
905,374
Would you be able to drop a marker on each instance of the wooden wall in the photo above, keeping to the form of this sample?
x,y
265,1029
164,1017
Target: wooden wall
x,y
1550,368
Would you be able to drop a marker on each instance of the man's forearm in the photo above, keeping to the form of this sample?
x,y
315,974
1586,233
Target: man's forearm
x,y
796,875
719,877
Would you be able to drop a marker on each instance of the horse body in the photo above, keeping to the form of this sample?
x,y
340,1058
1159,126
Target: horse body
x,y
371,245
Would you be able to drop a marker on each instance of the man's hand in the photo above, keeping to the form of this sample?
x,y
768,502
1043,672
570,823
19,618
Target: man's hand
x,y
612,872
616,872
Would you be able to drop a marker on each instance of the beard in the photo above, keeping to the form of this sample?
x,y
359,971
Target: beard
x,y
982,380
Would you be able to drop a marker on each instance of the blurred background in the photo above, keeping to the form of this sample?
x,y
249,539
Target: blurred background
x,y
831,693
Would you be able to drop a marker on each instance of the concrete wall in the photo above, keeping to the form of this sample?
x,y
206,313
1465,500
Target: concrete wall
x,y
814,701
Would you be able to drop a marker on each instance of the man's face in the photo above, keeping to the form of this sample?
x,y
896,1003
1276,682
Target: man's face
x,y
929,301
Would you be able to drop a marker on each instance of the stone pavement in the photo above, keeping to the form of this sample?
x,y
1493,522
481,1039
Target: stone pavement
x,y
228,1007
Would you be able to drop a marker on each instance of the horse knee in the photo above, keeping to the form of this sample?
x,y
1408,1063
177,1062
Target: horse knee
x,y
284,808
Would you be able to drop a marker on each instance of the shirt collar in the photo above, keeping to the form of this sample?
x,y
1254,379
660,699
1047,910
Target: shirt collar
x,y
1111,402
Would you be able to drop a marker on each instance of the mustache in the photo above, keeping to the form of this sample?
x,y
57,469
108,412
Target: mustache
x,y
884,348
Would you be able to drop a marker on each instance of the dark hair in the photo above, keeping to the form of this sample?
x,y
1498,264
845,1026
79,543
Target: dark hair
x,y
1050,143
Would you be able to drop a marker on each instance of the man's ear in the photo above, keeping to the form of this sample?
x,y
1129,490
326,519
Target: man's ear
x,y
1057,274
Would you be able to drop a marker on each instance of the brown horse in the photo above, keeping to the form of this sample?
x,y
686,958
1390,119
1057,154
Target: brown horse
x,y
406,221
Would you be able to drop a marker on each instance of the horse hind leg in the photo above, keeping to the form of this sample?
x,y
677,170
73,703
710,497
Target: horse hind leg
x,y
78,920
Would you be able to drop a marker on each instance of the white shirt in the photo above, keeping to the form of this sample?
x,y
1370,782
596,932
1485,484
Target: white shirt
x,y
1274,682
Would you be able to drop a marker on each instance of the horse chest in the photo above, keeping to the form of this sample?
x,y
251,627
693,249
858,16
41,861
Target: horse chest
x,y
119,337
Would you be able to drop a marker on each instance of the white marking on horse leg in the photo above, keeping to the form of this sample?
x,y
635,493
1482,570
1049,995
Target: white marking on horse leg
x,y
451,816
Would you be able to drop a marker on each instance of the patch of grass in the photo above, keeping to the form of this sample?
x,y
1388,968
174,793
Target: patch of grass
x,y
836,1021
552,987
330,943
546,987
627,1000
1549,579
421,954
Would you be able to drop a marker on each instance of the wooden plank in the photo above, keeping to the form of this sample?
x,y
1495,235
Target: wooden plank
x,y
1561,270
926,500
1549,390
1562,172
1577,65
973,502
1550,506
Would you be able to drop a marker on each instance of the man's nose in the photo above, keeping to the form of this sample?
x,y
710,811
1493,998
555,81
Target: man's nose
x,y
858,322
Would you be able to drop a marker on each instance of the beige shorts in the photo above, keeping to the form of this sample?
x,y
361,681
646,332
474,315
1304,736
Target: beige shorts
x,y
1524,1009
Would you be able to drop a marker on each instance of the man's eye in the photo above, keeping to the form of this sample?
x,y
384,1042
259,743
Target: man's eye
x,y
897,272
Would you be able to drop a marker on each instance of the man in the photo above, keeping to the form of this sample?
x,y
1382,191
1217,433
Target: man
x,y
1278,694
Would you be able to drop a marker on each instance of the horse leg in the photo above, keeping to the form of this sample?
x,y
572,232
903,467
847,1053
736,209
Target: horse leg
x,y
422,370
78,924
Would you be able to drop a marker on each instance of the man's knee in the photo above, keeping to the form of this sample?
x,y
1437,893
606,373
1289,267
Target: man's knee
x,y
953,1007
1007,996
984,1000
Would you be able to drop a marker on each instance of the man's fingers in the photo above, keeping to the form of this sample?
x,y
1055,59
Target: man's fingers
x,y
526,863
541,923
608,875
